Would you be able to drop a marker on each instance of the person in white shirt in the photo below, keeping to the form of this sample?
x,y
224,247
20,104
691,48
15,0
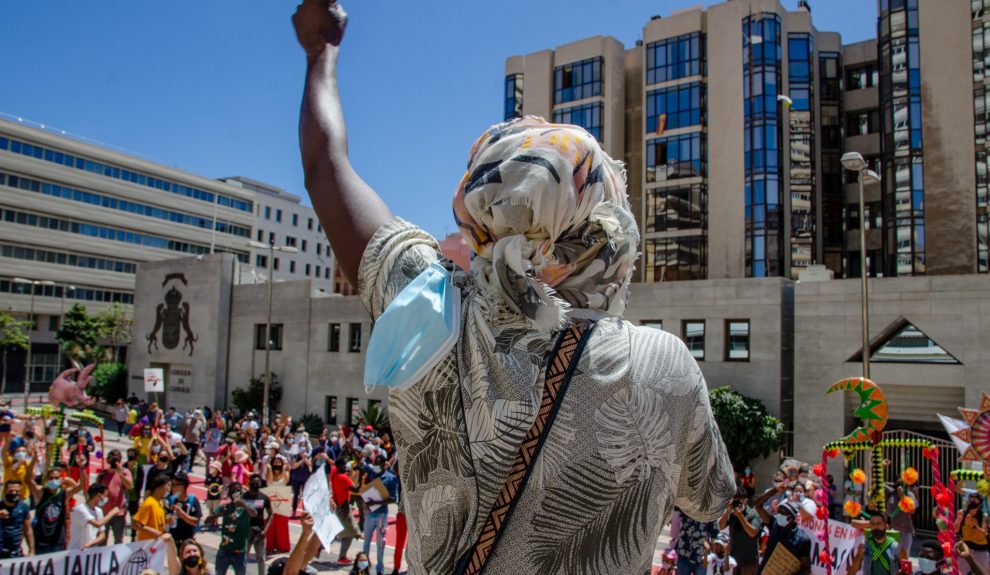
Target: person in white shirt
x,y
719,562
88,522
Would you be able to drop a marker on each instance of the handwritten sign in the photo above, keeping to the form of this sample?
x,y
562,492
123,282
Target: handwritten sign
x,y
316,501
281,498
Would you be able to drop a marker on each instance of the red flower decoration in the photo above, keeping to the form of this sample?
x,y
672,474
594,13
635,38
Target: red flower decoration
x,y
927,453
825,558
947,549
833,452
819,470
822,513
943,499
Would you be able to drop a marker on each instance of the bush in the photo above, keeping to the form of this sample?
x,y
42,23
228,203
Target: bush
x,y
374,416
109,382
313,424
748,429
253,397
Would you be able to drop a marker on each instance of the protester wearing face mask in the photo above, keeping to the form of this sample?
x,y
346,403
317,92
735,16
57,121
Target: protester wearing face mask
x,y
879,554
719,562
18,465
341,486
972,526
901,521
87,520
15,522
299,474
189,559
278,534
118,480
150,521
744,526
236,532
52,510
186,509
162,466
376,513
799,496
361,565
788,548
261,522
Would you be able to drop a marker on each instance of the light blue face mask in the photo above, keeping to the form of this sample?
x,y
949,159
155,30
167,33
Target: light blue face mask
x,y
417,330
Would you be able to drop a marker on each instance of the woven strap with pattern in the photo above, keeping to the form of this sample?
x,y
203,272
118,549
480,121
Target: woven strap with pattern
x,y
558,376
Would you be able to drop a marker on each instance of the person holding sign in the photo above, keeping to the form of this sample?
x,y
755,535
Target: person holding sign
x,y
380,489
788,549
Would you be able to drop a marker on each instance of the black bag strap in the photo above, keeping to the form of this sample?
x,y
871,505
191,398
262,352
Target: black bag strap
x,y
566,353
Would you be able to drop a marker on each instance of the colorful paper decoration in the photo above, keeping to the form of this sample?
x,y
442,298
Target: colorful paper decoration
x,y
910,476
858,476
977,433
872,410
852,509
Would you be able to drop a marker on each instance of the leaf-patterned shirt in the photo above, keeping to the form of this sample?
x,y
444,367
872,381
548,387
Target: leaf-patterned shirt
x,y
634,436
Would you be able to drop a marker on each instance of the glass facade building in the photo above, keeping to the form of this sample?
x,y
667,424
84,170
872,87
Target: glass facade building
x,y
800,117
903,155
981,113
761,87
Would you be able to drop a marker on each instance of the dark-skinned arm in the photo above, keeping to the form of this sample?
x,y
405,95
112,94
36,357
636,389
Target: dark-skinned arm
x,y
350,211
761,501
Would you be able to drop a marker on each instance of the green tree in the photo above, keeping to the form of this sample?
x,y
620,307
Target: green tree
x,y
12,335
117,327
748,429
374,416
109,382
253,397
80,335
313,424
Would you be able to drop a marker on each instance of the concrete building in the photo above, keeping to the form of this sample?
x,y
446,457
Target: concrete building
x,y
79,218
283,221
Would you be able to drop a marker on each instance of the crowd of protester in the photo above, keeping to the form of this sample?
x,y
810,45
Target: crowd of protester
x,y
762,531
143,493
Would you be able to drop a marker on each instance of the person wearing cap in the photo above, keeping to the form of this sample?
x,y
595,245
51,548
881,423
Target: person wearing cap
x,y
239,470
214,487
250,425
692,545
192,433
788,549
879,553
719,562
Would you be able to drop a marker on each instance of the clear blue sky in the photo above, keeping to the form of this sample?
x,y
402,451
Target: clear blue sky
x,y
213,86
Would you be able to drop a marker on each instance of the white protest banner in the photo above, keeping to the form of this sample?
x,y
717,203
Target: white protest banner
x,y
129,559
281,498
154,380
316,500
843,541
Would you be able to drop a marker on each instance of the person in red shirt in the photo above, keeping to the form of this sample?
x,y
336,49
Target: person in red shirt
x,y
341,485
118,480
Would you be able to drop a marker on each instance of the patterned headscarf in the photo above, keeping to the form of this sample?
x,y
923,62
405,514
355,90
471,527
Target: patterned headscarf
x,y
545,209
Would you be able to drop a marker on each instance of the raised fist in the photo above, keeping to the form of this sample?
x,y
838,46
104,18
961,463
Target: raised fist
x,y
318,23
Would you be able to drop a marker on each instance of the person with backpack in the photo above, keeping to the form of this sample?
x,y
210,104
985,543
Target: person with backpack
x,y
186,510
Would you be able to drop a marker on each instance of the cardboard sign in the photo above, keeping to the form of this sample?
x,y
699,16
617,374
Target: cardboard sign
x,y
317,502
281,498
154,380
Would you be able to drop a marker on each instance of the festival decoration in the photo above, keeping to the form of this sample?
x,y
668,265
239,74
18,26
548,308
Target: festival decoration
x,y
976,433
87,416
872,412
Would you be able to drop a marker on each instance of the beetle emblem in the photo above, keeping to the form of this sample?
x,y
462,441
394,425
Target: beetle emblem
x,y
172,319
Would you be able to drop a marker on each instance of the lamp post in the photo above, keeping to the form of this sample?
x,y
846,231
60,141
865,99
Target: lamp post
x,y
272,248
27,364
854,162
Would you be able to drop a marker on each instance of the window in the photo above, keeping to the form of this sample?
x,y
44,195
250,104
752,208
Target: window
x,y
326,273
292,267
353,411
674,108
275,264
333,338
374,403
677,258
330,410
260,261
588,116
355,338
295,220
694,337
676,208
737,340
268,212
278,215
652,324
577,81
304,243
309,224
513,97
53,323
290,241
319,249
45,367
675,158
275,336
307,270
862,77
271,238
317,274
863,123
260,236
675,58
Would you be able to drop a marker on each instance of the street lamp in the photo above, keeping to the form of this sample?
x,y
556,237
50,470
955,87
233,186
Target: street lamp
x,y
27,365
272,248
854,162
